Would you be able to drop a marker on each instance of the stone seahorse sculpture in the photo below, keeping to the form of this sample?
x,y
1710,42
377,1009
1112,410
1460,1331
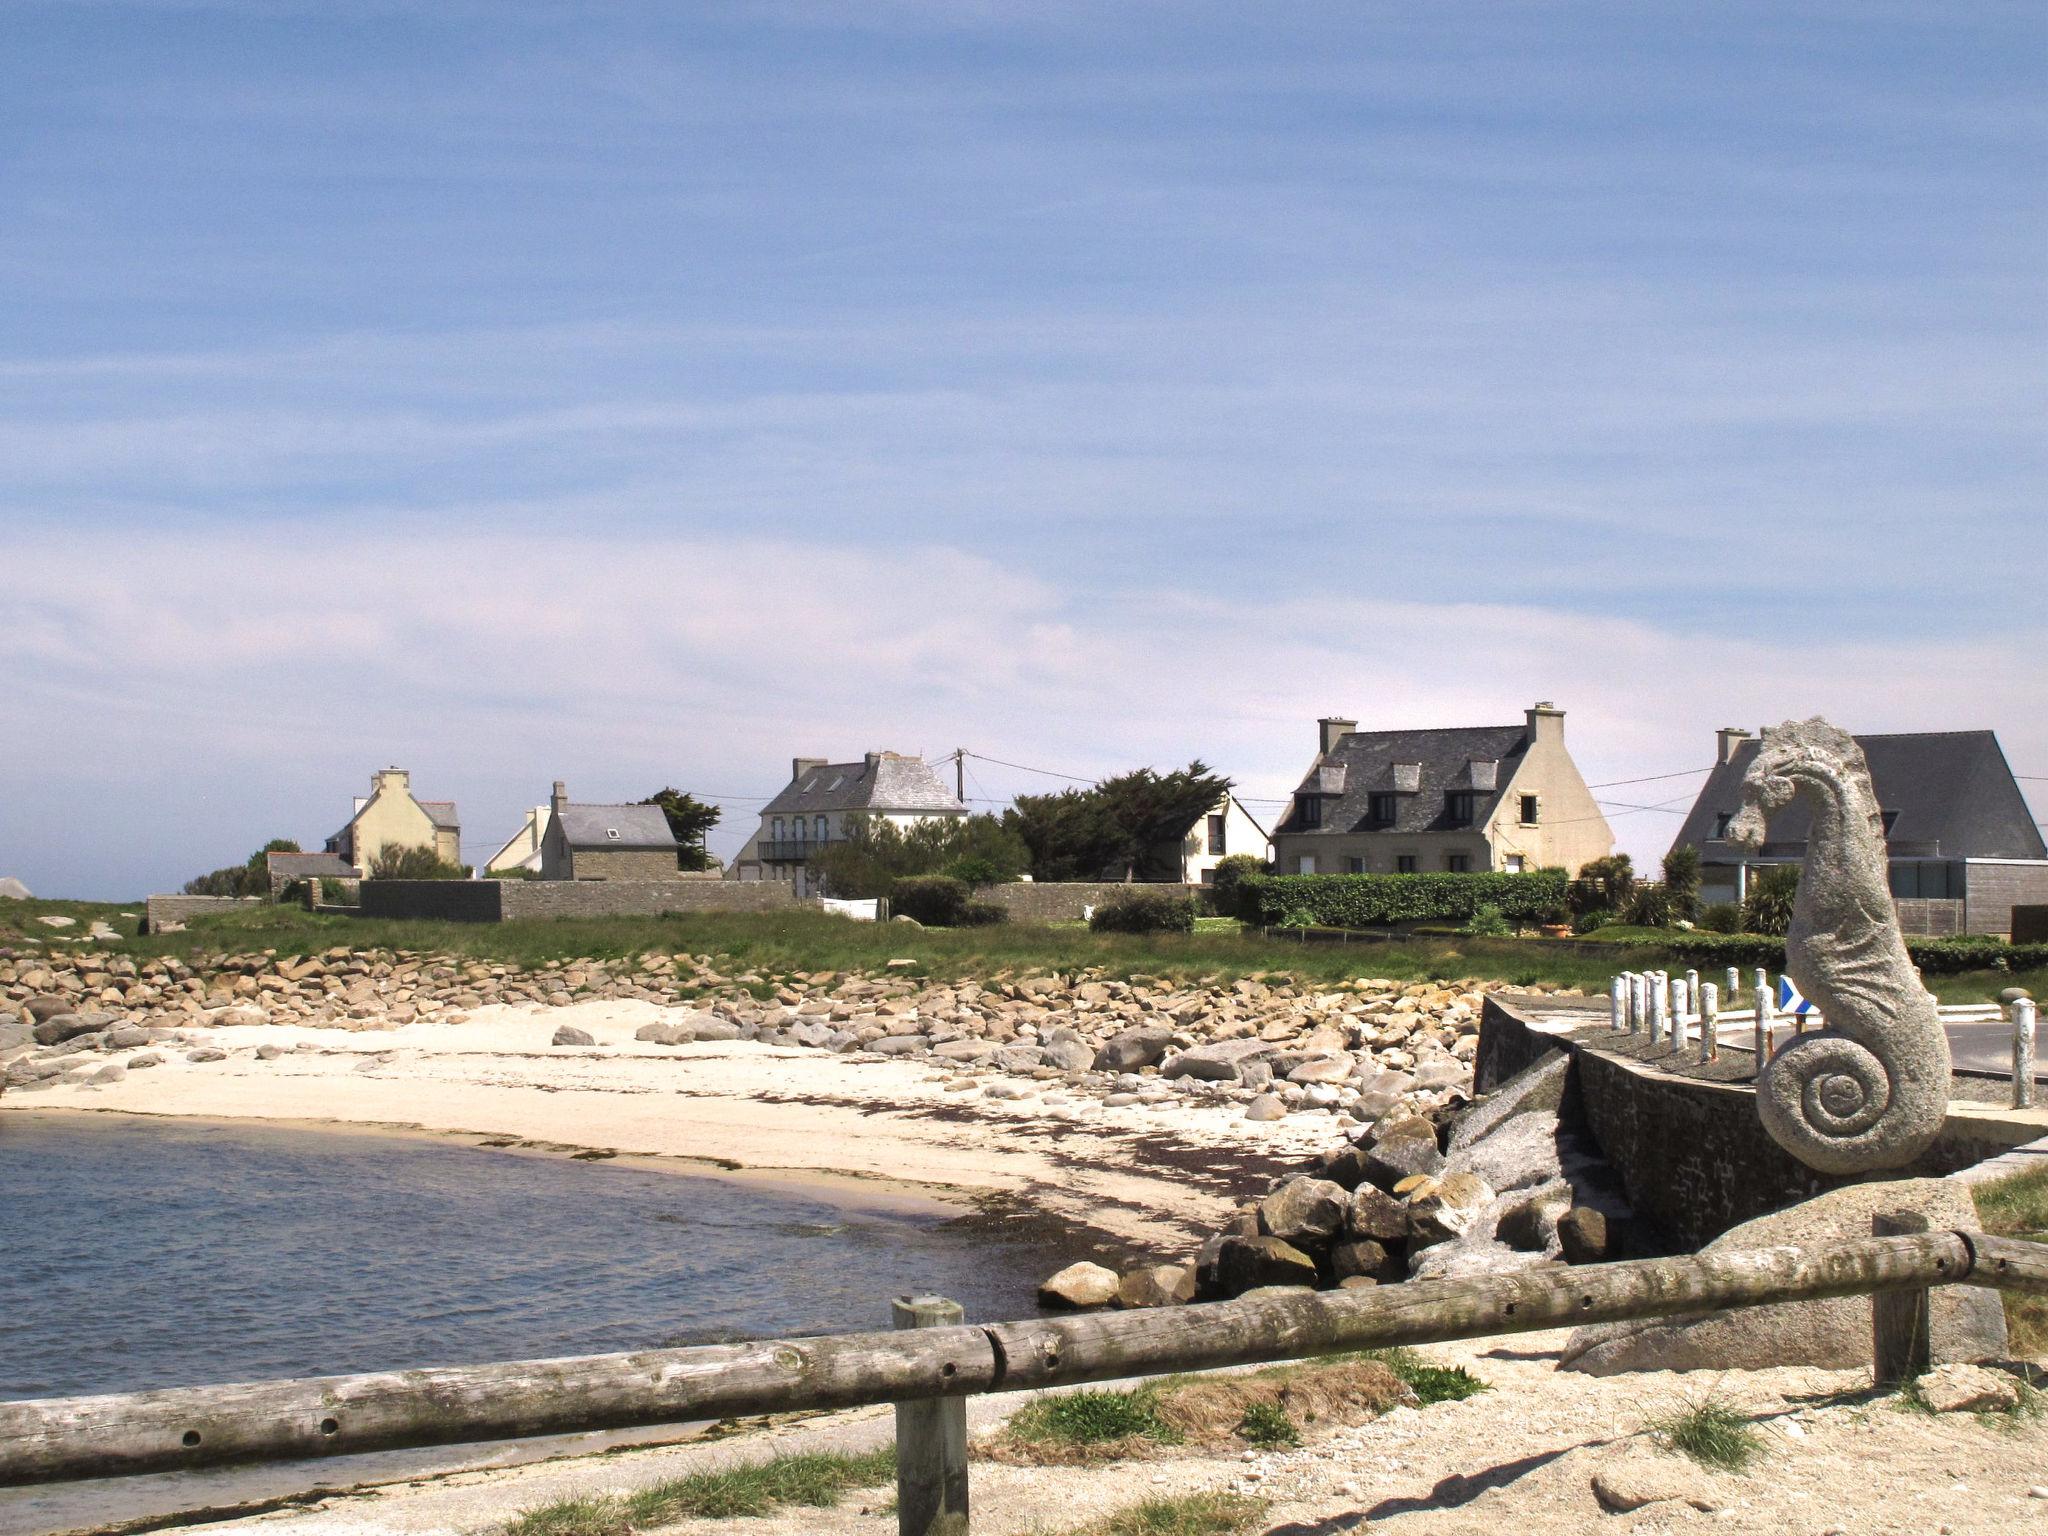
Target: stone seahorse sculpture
x,y
1869,1090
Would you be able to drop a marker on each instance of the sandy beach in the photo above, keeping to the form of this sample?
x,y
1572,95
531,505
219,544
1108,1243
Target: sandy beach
x,y
1141,1178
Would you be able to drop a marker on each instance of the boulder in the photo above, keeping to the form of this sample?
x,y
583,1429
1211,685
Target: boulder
x,y
1395,1127
60,1027
1235,1265
112,1072
1078,1286
1389,1162
142,1059
898,1045
1267,1106
1367,1257
1441,1072
1588,1235
1157,1285
1069,1056
1521,1152
1380,1092
1640,1477
1323,1069
1471,1260
1834,1334
569,1034
14,1032
1143,1046
1376,1214
207,1053
1216,1062
1304,1210
1447,1210
125,1037
1959,1388
1528,1220
1534,1088
48,1006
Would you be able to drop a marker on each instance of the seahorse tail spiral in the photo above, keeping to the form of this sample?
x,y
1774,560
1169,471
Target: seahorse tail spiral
x,y
1830,1102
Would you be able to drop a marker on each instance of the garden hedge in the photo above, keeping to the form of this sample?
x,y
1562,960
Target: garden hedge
x,y
1935,957
1366,901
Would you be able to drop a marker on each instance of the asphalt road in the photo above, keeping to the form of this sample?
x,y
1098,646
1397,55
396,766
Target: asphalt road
x,y
1986,1046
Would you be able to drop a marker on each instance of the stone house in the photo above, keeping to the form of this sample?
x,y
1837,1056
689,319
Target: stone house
x,y
1502,798
1962,843
522,849
813,809
1226,828
390,817
607,842
287,868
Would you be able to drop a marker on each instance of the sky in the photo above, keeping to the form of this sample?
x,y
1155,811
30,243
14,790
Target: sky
x,y
641,395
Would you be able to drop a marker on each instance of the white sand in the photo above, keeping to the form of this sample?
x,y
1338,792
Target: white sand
x,y
1152,1178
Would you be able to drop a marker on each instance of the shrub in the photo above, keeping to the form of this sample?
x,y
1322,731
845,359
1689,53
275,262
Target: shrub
x,y
1231,875
1138,910
1590,922
937,901
1721,917
416,863
1768,908
1487,923
977,870
1602,885
1682,882
1651,906
983,914
1363,901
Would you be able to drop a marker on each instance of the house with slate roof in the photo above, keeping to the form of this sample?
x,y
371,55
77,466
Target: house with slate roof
x,y
1503,798
1962,842
813,810
607,842
287,869
390,817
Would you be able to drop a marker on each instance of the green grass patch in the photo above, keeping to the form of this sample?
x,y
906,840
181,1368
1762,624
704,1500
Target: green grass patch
x,y
20,924
1093,1418
1712,1432
1267,1424
748,1490
2018,1207
1187,1514
1429,1382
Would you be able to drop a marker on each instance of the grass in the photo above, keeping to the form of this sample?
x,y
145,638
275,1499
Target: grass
x,y
1085,1419
1712,1432
1187,1514
2018,1207
1430,1383
1267,1424
748,1490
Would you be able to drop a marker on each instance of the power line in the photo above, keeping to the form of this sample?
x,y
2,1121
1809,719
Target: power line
x,y
1050,773
1652,778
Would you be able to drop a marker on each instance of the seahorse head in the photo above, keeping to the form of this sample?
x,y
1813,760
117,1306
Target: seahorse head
x,y
1809,752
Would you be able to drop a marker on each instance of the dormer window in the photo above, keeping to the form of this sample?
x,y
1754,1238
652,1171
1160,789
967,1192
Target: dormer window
x,y
1890,818
1458,806
1308,811
1380,810
1722,821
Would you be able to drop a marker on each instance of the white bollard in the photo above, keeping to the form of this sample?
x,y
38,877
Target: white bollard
x,y
1734,987
1692,993
1660,1006
2023,1053
1763,1017
1681,1001
1617,1004
1710,1023
1635,1000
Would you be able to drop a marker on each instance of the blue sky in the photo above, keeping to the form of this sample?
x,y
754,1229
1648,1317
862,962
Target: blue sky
x,y
644,394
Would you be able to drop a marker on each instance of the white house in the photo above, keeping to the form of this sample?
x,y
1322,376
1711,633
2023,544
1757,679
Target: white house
x,y
814,808
1227,828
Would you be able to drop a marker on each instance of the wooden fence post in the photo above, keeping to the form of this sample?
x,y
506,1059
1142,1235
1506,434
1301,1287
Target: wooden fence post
x,y
931,1439
1900,1325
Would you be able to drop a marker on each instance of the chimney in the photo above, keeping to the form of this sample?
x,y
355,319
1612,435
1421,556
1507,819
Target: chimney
x,y
388,778
799,766
874,761
559,798
1546,723
1334,730
1727,742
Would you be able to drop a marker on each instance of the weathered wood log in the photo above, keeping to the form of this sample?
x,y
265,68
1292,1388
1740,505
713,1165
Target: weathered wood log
x,y
53,1439
2009,1263
931,1440
1901,1322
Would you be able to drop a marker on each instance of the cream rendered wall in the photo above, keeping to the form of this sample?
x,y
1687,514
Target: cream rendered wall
x,y
1240,835
394,819
1570,829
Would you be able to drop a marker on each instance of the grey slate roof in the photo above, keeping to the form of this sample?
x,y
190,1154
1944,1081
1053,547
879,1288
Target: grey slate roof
x,y
1418,768
1954,794
310,866
888,782
441,813
635,826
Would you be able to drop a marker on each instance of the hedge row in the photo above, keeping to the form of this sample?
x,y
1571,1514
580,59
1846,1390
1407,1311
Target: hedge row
x,y
1364,901
1935,957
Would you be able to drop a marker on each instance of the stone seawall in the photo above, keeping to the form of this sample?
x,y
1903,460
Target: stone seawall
x,y
182,909
499,901
1693,1155
1061,901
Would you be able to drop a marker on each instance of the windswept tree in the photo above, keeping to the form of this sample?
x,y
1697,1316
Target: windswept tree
x,y
689,819
249,878
1125,828
876,853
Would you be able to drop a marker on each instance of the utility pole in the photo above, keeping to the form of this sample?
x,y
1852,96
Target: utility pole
x,y
960,774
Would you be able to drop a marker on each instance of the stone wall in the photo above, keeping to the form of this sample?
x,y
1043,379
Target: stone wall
x,y
1993,887
182,909
1057,901
1928,917
446,901
642,898
626,864
1693,1156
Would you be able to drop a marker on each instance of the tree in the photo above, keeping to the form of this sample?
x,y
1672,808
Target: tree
x,y
1603,885
1773,888
393,862
689,819
1682,882
875,854
249,878
1125,828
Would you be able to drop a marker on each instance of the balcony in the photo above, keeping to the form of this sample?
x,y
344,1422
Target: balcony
x,y
790,851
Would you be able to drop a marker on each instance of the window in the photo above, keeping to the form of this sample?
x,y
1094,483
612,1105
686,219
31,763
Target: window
x,y
1516,864
1458,863
1354,865
1380,810
1307,864
1310,809
801,827
776,835
1216,834
1458,808
1889,818
1529,808
1208,877
1722,821
821,829
1404,863
611,834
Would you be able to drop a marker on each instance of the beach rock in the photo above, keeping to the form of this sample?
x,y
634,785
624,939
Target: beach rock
x,y
1323,1069
569,1034
112,1072
123,1037
1834,1334
1304,1210
272,1052
1069,1056
1519,1153
1380,1092
1471,1259
1217,1062
1638,1478
1157,1285
144,1059
1529,1221
1959,1388
14,1032
662,1034
1364,1256
60,1027
1447,1209
1387,1163
1145,1045
1538,1087
1267,1106
1376,1214
48,1006
1079,1286
1588,1236
1441,1072
898,1045
1241,1264
207,1053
